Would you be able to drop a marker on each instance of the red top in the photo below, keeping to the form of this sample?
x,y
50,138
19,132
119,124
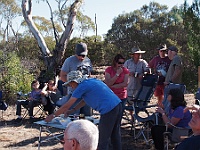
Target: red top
x,y
120,92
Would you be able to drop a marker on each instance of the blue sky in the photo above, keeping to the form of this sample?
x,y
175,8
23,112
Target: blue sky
x,y
106,10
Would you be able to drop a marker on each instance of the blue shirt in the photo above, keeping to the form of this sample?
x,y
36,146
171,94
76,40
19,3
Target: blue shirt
x,y
97,95
35,94
184,117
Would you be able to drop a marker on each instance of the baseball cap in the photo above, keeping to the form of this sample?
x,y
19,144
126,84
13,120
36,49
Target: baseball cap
x,y
81,49
162,47
173,48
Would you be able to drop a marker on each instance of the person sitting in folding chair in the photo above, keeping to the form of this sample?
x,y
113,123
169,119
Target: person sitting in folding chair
x,y
32,101
50,95
176,117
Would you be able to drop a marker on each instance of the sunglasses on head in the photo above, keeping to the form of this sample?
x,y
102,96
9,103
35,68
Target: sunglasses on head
x,y
82,56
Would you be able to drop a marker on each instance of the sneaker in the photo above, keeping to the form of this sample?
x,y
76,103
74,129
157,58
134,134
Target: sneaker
x,y
18,120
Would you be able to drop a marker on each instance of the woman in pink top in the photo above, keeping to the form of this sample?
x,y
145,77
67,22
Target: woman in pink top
x,y
116,77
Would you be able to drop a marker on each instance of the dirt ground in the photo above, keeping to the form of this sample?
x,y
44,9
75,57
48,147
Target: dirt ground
x,y
23,136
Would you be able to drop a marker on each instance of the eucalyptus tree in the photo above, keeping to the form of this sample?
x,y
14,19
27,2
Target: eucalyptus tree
x,y
52,59
9,11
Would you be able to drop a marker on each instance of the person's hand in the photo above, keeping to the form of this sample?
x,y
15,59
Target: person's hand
x,y
30,99
119,70
67,113
160,105
166,83
160,110
141,76
132,74
49,118
159,74
193,107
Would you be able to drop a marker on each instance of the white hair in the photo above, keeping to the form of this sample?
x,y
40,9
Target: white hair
x,y
85,132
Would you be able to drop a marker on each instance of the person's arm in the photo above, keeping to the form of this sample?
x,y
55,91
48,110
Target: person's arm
x,y
123,84
110,81
63,76
145,66
173,120
62,109
75,108
56,81
29,96
176,73
44,89
193,107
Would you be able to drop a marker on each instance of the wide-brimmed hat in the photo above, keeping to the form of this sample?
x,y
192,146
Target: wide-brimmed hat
x,y
75,76
81,49
162,47
137,50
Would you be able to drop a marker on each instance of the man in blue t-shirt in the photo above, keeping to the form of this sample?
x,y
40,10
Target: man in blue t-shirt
x,y
100,97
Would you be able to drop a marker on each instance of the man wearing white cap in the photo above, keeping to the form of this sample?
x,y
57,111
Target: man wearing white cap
x,y
160,65
101,98
136,67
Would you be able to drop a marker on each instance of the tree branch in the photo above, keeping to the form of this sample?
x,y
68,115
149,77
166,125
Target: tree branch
x,y
28,18
68,29
54,28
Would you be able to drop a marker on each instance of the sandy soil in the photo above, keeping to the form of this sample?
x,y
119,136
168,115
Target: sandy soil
x,y
23,136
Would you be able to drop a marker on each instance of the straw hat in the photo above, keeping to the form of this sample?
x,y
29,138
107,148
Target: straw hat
x,y
137,50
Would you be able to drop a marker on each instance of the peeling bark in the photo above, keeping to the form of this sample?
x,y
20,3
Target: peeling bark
x,y
51,60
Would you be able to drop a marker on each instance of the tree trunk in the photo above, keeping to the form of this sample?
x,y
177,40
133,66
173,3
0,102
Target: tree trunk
x,y
52,61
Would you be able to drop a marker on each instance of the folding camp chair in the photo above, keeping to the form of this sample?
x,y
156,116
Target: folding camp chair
x,y
140,105
177,135
40,108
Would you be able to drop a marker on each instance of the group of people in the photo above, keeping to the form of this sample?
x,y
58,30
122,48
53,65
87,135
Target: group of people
x,y
122,80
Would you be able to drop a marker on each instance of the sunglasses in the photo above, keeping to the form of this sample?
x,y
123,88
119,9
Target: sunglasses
x,y
119,62
82,56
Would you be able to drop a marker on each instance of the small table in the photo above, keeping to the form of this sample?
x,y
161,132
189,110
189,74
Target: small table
x,y
58,123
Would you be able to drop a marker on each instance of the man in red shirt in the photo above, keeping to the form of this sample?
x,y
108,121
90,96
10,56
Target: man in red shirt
x,y
160,65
